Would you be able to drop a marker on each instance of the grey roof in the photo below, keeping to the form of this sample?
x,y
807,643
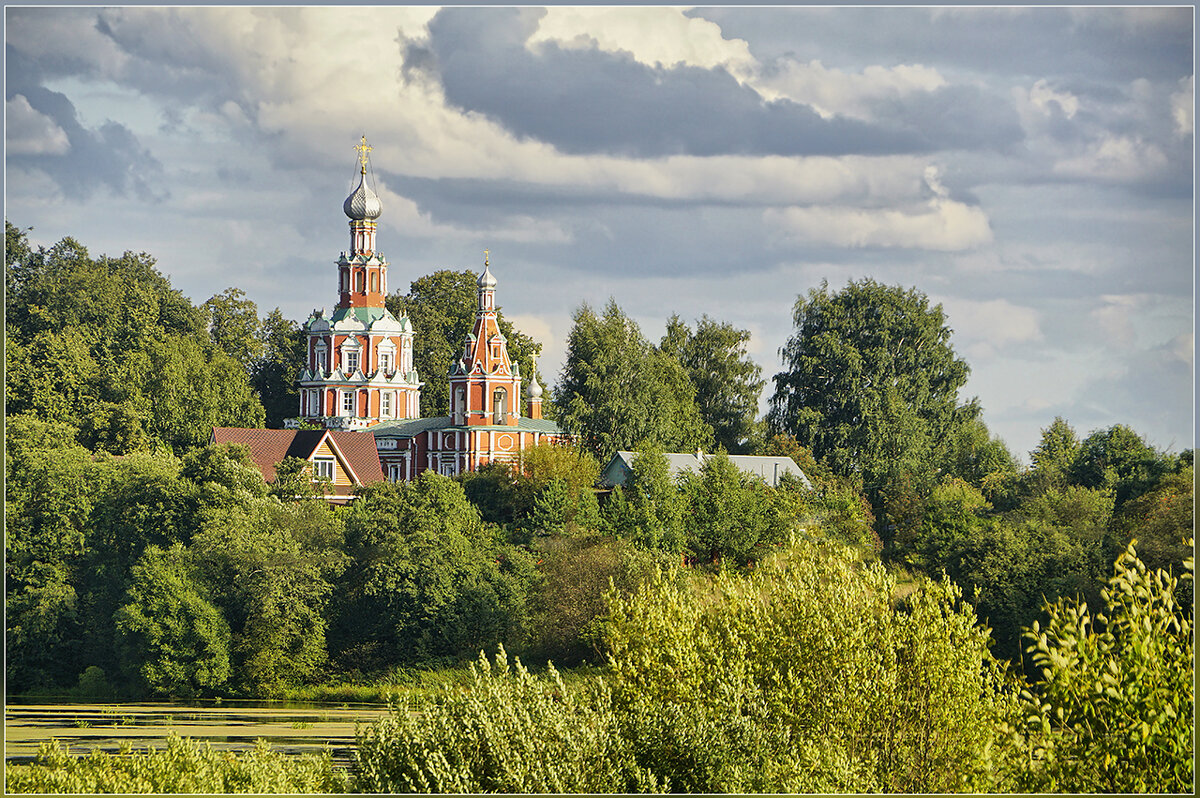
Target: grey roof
x,y
770,469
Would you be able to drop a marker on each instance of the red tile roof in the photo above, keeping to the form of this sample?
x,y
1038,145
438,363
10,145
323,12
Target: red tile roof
x,y
269,446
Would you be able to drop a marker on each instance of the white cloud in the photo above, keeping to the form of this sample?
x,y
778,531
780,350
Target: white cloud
x,y
1115,158
832,91
28,132
986,327
1114,319
655,36
1041,96
940,224
1183,106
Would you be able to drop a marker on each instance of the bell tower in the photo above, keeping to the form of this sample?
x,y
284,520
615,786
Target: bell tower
x,y
485,384
359,367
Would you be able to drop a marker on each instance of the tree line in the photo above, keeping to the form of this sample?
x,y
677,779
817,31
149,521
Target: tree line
x,y
142,561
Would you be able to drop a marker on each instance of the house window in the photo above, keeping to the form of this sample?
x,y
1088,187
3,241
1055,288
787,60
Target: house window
x,y
347,403
499,411
323,468
385,361
385,403
319,358
395,472
351,362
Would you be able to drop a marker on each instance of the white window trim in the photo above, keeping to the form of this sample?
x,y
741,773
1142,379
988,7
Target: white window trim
x,y
323,467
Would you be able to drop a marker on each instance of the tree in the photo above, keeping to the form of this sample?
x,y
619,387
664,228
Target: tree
x,y
171,637
648,509
275,373
1112,708
730,514
727,382
442,309
1119,460
871,386
617,391
233,325
426,580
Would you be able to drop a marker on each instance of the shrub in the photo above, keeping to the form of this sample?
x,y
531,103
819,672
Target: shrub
x,y
1112,710
184,766
509,732
802,676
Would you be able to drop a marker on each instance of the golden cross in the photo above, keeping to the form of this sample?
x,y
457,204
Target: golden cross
x,y
363,148
485,257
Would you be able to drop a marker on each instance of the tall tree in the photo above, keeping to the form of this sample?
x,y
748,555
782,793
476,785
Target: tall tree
x,y
275,372
618,392
233,325
871,385
442,309
727,382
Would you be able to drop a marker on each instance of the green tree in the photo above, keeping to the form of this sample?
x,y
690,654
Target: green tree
x,y
442,309
270,567
870,385
730,514
1119,460
275,373
618,391
805,676
727,381
650,508
171,637
1112,708
233,325
426,579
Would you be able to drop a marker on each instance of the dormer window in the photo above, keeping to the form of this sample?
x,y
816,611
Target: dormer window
x,y
322,468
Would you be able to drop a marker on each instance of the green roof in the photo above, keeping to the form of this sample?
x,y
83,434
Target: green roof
x,y
364,315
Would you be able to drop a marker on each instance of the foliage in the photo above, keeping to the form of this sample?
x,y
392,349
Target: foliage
x,y
617,391
233,325
426,580
1113,705
870,386
442,308
184,766
730,514
275,373
575,574
648,509
1119,460
511,732
170,634
802,677
1161,520
726,381
109,347
271,568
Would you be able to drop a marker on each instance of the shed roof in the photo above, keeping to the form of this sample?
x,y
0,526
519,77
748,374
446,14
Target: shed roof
x,y
769,469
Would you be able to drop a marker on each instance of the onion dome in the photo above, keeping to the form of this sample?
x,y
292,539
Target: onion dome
x,y
364,203
535,389
486,280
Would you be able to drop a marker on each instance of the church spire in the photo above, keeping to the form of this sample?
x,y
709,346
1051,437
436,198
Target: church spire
x,y
363,207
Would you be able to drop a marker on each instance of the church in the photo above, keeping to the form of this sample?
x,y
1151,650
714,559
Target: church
x,y
359,375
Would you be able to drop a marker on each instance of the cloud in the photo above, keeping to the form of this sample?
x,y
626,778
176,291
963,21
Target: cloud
x,y
654,36
1183,106
1115,158
985,327
836,92
27,132
938,224
1049,101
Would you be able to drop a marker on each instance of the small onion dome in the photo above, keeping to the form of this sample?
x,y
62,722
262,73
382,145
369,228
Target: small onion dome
x,y
487,280
535,389
363,203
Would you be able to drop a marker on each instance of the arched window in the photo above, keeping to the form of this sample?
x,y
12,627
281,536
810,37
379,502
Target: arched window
x,y
360,282
499,406
374,281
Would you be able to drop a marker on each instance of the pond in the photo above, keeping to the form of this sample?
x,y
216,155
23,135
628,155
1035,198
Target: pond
x,y
80,728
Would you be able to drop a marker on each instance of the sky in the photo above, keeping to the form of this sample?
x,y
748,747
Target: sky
x,y
1029,169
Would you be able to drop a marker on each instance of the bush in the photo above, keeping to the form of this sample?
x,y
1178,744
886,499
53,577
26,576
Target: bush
x,y
1113,708
802,676
510,732
184,766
